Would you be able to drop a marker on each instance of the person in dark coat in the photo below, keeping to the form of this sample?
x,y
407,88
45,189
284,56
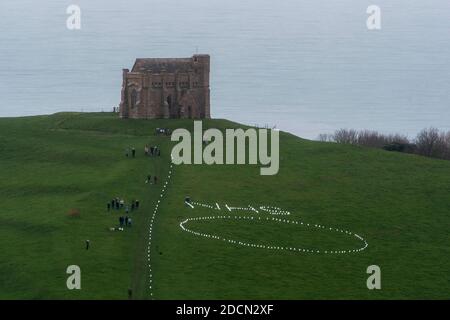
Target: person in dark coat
x,y
121,221
155,179
108,206
137,204
133,152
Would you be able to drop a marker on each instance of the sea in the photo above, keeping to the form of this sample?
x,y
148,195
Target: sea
x,y
306,67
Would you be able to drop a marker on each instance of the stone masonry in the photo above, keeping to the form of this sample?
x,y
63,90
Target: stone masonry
x,y
167,88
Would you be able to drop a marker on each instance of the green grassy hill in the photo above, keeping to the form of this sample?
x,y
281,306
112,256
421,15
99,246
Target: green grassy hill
x,y
51,164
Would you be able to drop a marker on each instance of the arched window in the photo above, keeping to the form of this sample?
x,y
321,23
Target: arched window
x,y
134,98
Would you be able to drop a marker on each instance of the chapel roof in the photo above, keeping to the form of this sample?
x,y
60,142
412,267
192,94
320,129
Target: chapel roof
x,y
158,65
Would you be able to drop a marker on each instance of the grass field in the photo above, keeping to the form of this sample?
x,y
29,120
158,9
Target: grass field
x,y
51,164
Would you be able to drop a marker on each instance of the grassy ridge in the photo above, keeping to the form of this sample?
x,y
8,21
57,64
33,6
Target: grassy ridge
x,y
50,164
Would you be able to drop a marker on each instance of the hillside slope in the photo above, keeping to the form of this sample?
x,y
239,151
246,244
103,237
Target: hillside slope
x,y
51,164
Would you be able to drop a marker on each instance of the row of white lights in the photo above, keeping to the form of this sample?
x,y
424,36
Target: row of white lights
x,y
272,247
152,220
269,209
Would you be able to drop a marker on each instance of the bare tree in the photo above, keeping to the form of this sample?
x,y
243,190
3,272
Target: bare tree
x,y
431,143
325,137
371,139
346,136
445,136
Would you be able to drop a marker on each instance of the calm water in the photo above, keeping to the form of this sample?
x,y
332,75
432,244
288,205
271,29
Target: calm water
x,y
305,66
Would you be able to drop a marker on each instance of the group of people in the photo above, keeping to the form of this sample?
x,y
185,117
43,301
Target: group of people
x,y
163,131
152,151
125,221
149,179
130,151
118,204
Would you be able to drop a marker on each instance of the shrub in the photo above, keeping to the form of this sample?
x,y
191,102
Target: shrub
x,y
400,147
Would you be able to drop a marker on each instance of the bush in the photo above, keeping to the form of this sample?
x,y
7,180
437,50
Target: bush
x,y
375,139
400,147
